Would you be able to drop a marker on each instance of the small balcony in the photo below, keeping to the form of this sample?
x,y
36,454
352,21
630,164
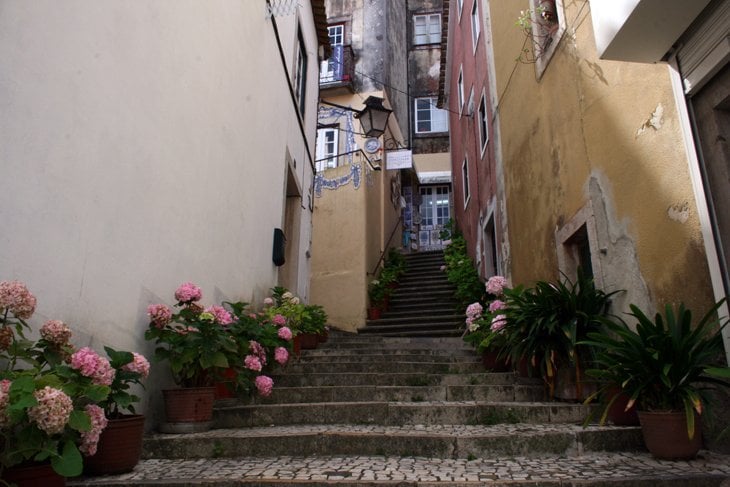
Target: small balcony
x,y
337,73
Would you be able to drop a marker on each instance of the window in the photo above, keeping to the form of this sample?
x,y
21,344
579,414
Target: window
x,y
547,25
483,123
491,266
326,148
460,89
426,29
429,118
475,26
300,73
331,69
465,180
460,7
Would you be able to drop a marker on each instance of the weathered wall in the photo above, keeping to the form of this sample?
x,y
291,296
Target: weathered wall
x,y
396,62
599,131
138,149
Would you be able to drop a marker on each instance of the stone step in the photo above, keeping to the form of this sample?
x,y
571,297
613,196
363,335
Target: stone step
x,y
317,394
416,305
398,413
445,442
425,289
375,352
445,331
399,379
418,320
393,343
371,357
599,469
386,367
445,328
439,296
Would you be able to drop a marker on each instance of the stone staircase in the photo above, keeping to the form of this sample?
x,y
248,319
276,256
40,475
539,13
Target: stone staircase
x,y
423,304
371,410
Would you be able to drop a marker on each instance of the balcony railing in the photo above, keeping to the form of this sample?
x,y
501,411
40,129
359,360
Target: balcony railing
x,y
339,68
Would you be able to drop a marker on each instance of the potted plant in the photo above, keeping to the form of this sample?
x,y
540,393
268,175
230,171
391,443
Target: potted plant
x,y
120,444
376,294
197,345
663,366
485,331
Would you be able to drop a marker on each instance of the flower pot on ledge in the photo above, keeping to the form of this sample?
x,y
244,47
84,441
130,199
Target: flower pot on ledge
x,y
189,404
33,475
309,341
374,313
119,448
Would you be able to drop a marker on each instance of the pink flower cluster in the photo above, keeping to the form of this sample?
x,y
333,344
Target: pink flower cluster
x,y
281,355
279,320
496,305
14,296
284,333
53,410
252,362
188,293
268,301
495,285
56,332
221,315
498,323
186,330
264,385
90,439
91,364
258,350
139,365
4,400
473,312
159,314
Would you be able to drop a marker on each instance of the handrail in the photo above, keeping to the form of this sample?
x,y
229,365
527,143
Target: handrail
x,y
387,245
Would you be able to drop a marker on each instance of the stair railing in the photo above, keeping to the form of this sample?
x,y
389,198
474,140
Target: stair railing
x,y
387,246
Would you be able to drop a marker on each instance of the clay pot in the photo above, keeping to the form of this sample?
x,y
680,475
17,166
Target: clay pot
x,y
119,448
189,404
665,435
33,475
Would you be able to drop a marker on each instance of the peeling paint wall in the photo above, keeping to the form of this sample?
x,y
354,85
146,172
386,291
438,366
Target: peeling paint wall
x,y
605,133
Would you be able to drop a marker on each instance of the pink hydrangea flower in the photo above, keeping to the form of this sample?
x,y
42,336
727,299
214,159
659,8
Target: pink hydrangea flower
x,y
139,364
268,301
188,293
15,297
284,333
252,362
53,410
474,310
498,323
279,320
4,400
496,305
257,349
281,355
186,330
264,385
90,439
221,315
495,285
56,332
91,364
159,314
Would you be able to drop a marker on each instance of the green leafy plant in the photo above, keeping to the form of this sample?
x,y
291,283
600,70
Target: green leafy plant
x,y
376,292
462,273
664,364
130,369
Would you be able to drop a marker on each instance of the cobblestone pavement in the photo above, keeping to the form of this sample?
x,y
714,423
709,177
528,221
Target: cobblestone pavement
x,y
344,469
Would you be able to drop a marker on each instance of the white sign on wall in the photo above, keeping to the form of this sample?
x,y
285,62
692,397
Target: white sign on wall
x,y
399,159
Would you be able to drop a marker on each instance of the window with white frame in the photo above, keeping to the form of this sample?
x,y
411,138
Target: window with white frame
x,y
300,73
330,67
465,180
428,117
460,7
460,89
426,29
470,103
483,123
326,156
475,26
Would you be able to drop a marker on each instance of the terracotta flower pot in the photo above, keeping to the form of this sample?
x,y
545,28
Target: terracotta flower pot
x,y
33,475
323,337
309,341
120,446
225,388
374,313
665,435
189,404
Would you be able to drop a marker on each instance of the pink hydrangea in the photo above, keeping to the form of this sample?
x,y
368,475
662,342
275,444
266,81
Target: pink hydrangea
x,y
258,350
279,320
139,364
91,364
268,301
498,322
281,355
495,285
185,330
15,297
284,333
221,315
474,310
159,314
90,439
56,332
264,385
252,362
496,305
188,293
4,400
53,410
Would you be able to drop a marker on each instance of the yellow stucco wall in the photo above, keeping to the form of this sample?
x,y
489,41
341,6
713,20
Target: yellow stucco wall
x,y
432,162
588,120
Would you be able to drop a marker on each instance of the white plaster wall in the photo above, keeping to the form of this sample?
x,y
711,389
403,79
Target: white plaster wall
x,y
142,144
